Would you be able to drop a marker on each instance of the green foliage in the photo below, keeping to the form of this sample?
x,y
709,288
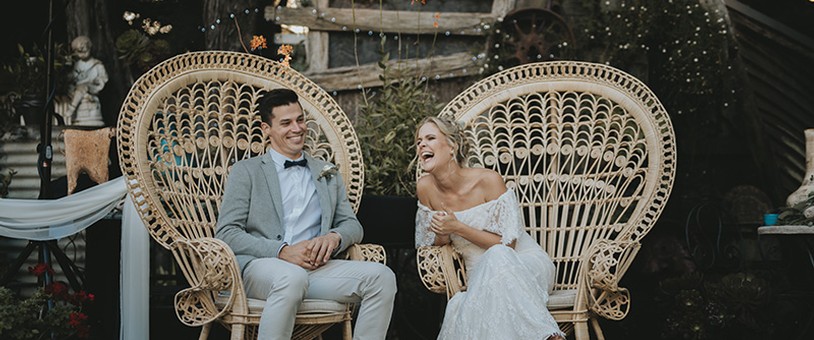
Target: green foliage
x,y
140,48
800,214
5,181
734,306
26,74
24,79
386,127
136,49
8,113
27,319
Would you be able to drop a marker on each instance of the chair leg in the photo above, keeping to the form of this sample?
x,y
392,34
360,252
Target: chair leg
x,y
597,329
347,333
581,330
205,331
238,331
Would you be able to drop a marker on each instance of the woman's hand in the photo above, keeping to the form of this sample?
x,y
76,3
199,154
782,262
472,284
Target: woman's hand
x,y
444,223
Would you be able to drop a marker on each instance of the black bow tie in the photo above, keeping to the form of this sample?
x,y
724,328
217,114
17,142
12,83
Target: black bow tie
x,y
301,162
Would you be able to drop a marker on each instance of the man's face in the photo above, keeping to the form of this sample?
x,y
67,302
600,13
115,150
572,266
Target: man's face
x,y
287,130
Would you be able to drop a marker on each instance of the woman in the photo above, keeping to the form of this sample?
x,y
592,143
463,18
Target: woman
x,y
510,276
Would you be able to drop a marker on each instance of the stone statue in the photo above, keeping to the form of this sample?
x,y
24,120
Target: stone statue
x,y
87,80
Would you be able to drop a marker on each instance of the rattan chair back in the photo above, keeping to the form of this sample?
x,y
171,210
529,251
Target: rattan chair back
x,y
186,121
590,153
181,127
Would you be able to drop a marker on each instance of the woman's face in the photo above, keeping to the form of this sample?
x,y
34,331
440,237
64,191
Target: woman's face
x,y
432,147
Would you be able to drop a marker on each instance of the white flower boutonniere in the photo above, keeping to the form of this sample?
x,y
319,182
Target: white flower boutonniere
x,y
328,171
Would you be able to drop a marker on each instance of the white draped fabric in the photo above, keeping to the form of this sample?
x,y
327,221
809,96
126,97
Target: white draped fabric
x,y
41,220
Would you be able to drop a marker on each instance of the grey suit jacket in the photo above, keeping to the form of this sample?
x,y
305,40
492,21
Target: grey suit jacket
x,y
251,214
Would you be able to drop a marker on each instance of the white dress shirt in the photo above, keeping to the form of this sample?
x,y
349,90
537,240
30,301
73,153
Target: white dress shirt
x,y
301,210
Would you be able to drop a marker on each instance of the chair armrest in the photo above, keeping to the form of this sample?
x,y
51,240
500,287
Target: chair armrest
x,y
210,267
441,269
366,252
603,268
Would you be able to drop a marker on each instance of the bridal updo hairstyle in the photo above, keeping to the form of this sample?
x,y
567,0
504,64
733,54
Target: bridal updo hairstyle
x,y
453,131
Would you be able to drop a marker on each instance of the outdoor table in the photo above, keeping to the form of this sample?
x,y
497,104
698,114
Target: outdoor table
x,y
802,232
803,236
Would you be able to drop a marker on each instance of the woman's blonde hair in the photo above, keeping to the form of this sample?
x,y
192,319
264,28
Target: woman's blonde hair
x,y
453,132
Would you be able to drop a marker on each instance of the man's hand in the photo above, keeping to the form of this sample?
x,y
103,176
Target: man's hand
x,y
323,247
299,254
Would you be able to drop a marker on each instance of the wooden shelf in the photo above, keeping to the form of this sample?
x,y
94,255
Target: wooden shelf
x,y
786,230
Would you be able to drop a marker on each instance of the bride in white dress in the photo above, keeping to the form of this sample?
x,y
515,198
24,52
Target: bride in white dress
x,y
509,275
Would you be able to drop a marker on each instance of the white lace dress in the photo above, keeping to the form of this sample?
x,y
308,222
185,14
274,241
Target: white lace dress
x,y
507,288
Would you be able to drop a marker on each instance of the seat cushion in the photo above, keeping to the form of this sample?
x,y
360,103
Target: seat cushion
x,y
306,307
561,299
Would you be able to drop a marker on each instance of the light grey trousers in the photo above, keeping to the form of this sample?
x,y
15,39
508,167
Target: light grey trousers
x,y
284,285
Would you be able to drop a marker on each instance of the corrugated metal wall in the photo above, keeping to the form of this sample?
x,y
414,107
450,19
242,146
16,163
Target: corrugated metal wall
x,y
21,155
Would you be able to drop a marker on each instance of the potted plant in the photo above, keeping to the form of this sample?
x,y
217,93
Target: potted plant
x,y
51,312
142,47
25,80
386,125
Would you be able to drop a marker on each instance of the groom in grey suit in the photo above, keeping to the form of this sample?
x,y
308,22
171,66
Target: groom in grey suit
x,y
285,222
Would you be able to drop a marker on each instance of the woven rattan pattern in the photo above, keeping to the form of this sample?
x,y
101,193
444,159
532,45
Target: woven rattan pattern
x,y
590,152
181,127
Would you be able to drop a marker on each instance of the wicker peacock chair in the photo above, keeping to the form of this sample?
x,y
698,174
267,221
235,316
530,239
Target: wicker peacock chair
x,y
590,152
181,127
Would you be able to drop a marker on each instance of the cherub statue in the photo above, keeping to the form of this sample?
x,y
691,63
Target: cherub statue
x,y
87,80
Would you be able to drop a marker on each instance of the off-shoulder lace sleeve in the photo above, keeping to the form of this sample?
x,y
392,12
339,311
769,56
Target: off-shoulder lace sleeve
x,y
423,235
507,220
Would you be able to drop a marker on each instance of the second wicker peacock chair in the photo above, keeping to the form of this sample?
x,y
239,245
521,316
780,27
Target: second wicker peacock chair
x,y
590,152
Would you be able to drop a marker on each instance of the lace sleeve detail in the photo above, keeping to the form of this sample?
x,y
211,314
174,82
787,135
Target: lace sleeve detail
x,y
423,235
507,220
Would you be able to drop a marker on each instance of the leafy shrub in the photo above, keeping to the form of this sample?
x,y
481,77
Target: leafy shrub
x,y
386,126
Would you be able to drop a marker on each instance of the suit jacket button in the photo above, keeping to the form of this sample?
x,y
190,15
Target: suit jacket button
x,y
279,237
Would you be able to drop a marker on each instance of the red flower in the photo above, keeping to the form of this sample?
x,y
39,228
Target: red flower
x,y
78,321
81,297
57,290
40,269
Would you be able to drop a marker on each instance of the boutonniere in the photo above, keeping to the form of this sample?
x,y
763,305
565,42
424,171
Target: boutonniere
x,y
327,171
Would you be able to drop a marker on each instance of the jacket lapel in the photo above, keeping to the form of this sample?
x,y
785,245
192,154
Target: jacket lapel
x,y
270,171
322,191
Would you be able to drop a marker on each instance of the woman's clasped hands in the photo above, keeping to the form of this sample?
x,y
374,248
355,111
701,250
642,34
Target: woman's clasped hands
x,y
444,223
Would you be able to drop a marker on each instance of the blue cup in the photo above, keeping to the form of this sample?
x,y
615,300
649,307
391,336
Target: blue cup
x,y
770,219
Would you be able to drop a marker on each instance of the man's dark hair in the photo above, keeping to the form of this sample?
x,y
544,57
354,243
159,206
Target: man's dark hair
x,y
275,98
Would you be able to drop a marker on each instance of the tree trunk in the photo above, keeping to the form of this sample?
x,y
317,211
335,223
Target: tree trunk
x,y
233,18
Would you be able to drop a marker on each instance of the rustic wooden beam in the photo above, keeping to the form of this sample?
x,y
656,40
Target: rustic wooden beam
x,y
502,7
411,22
365,76
316,51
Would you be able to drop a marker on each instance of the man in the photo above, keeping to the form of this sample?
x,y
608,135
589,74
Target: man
x,y
284,220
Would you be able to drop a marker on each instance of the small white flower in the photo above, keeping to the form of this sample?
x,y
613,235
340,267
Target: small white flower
x,y
129,17
327,171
